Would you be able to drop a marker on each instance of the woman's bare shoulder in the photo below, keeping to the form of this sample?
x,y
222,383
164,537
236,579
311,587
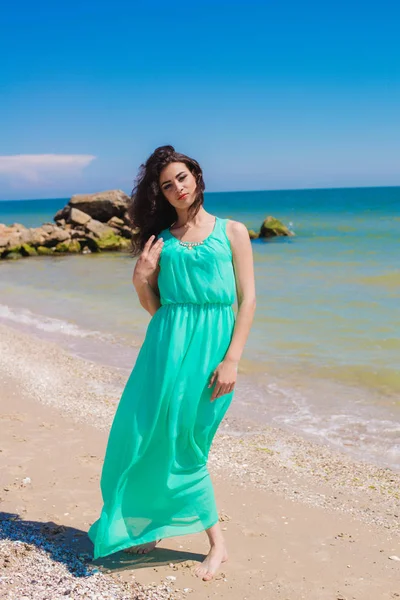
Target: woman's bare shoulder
x,y
236,230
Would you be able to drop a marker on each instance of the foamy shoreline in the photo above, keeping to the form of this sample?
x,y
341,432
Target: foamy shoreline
x,y
89,392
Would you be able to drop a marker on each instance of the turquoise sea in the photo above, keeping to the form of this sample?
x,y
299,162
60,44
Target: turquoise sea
x,y
323,357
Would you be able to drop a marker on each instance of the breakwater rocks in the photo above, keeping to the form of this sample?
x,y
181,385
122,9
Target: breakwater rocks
x,y
90,223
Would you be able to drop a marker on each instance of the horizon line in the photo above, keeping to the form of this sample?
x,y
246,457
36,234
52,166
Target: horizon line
x,y
300,189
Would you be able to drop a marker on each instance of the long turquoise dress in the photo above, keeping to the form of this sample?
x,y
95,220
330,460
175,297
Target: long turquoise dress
x,y
155,483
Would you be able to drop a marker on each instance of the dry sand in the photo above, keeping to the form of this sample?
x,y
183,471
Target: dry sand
x,y
300,521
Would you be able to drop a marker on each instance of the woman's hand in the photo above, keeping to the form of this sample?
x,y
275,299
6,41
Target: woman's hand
x,y
224,378
147,262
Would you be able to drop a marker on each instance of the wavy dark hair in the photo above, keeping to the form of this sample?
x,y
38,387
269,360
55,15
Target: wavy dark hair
x,y
149,211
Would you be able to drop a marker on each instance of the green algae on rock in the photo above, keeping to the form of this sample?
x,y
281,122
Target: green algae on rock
x,y
272,227
28,250
70,246
110,241
44,251
13,249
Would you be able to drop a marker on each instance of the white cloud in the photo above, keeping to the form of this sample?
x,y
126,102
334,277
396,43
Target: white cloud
x,y
39,169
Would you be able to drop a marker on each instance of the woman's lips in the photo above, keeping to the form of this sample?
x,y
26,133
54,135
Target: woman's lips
x,y
183,196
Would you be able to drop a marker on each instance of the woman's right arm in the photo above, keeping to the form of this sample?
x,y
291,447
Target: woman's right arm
x,y
145,275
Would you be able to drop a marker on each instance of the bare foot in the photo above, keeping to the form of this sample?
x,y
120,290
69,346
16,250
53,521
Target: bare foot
x,y
211,563
142,548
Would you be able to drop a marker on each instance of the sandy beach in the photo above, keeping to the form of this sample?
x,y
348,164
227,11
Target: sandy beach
x,y
300,520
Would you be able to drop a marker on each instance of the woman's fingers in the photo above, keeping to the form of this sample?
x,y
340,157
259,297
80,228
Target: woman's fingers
x,y
223,380
214,395
213,376
218,391
147,245
221,389
156,248
226,389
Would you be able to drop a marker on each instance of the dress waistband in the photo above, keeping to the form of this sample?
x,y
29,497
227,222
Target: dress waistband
x,y
201,305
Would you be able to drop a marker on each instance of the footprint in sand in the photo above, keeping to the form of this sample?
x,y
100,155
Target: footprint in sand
x,y
223,517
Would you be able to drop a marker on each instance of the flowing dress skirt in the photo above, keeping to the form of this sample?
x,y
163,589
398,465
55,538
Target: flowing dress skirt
x,y
155,483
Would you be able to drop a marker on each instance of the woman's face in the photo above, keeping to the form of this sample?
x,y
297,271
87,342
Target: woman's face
x,y
178,185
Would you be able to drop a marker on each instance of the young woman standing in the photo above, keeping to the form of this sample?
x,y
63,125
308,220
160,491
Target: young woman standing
x,y
155,483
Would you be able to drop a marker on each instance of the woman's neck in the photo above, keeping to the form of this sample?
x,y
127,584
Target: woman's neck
x,y
200,219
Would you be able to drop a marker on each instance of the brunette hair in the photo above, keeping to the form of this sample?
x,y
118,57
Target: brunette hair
x,y
149,211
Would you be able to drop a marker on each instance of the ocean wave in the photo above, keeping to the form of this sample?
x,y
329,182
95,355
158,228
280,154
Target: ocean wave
x,y
47,324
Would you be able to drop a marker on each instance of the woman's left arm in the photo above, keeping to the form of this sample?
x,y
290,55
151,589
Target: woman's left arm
x,y
225,374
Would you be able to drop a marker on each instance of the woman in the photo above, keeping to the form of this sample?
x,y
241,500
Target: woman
x,y
155,483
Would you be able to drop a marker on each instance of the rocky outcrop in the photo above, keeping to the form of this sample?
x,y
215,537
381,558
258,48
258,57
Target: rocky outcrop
x,y
77,217
90,223
97,228
272,227
101,207
56,239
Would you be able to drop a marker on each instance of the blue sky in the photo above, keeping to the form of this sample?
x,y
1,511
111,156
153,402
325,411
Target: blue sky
x,y
265,95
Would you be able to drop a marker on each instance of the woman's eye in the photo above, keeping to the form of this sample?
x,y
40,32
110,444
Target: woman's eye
x,y
182,178
166,187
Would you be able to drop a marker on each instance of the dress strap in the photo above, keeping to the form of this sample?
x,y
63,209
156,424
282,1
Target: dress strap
x,y
222,229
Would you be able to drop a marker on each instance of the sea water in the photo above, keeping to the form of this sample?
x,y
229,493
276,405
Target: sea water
x,y
323,355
